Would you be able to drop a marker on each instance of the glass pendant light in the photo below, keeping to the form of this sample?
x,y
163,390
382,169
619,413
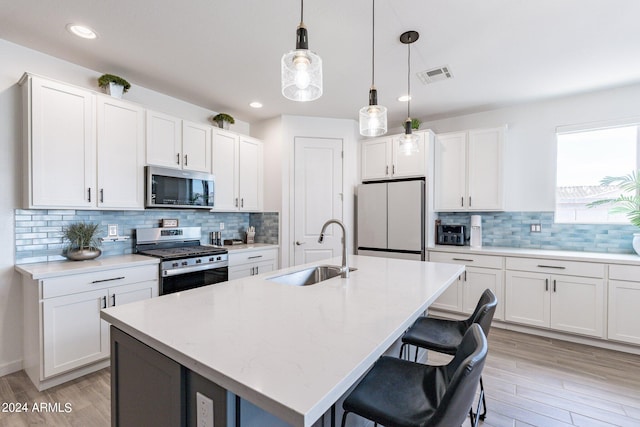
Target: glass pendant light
x,y
301,68
373,117
409,141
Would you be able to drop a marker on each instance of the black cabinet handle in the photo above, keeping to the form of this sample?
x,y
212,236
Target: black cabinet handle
x,y
107,280
558,267
462,259
104,302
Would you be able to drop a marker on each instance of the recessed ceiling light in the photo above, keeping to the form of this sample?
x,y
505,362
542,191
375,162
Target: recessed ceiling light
x,y
255,104
404,98
81,31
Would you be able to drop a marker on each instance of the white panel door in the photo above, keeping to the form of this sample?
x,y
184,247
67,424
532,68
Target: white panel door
x,y
405,210
62,145
577,305
196,147
74,335
250,174
372,216
317,198
409,165
450,178
477,280
376,159
624,300
451,299
120,147
527,298
225,163
485,169
164,145
133,292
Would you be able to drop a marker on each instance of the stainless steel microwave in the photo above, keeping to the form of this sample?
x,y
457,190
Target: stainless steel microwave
x,y
173,188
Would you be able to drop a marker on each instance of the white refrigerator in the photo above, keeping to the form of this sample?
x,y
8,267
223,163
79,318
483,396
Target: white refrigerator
x,y
392,219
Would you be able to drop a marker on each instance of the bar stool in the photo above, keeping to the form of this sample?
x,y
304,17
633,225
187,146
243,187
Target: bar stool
x,y
401,393
445,336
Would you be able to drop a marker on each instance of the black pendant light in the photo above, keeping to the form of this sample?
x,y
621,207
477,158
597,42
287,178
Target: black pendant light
x,y
373,117
409,141
301,69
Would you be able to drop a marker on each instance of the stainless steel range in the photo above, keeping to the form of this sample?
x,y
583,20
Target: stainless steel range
x,y
185,263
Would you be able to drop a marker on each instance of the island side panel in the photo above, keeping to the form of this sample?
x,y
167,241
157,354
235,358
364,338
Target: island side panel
x,y
147,388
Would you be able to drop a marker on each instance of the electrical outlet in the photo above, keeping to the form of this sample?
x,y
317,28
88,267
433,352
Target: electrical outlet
x,y
204,408
222,226
536,228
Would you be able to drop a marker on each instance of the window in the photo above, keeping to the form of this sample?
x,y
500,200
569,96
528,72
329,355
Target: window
x,y
585,157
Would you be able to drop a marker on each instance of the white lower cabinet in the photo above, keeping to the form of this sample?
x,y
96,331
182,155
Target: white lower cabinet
x,y
71,335
482,272
556,294
624,300
245,263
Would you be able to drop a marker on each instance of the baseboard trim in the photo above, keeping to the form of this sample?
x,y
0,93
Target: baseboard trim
x,y
11,367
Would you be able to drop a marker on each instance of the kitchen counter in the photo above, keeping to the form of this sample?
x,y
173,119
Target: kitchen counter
x,y
249,247
630,259
293,351
43,270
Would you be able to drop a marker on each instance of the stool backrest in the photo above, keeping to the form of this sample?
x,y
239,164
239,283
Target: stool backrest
x,y
485,309
463,376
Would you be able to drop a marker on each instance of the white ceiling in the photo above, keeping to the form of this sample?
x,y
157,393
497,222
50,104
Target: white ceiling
x,y
224,54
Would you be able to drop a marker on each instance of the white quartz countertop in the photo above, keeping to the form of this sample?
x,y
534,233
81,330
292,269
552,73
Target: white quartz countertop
x,y
249,247
291,350
609,258
43,270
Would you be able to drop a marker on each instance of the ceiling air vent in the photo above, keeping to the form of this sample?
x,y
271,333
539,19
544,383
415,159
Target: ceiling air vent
x,y
435,75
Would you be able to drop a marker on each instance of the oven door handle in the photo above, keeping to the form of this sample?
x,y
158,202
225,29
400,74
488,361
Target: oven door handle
x,y
185,270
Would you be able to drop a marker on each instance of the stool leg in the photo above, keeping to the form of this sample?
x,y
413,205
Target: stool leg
x,y
484,401
333,415
344,418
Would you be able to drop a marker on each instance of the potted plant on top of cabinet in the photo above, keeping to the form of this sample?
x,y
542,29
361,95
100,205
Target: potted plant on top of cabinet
x,y
627,202
223,120
83,241
114,85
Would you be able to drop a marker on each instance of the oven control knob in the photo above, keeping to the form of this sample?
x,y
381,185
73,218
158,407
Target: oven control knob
x,y
198,261
185,263
219,258
175,264
212,259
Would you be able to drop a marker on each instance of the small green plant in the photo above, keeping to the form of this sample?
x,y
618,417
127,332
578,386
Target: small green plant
x,y
223,117
415,124
628,202
105,79
82,235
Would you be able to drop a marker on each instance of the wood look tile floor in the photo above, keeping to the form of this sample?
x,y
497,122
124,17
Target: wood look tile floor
x,y
529,381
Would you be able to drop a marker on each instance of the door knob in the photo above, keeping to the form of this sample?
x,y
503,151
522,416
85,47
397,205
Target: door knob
x,y
298,243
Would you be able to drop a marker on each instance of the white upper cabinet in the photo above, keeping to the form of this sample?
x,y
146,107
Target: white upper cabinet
x,y
60,132
237,164
469,170
251,173
178,144
83,150
382,158
120,154
196,147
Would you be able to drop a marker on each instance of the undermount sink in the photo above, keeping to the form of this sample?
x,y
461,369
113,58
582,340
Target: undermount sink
x,y
309,276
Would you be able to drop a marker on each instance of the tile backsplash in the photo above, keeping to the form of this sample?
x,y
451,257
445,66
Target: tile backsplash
x,y
512,229
39,232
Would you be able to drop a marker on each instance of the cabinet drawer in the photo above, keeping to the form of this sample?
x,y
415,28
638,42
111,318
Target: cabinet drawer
x,y
245,257
551,266
625,272
74,283
475,260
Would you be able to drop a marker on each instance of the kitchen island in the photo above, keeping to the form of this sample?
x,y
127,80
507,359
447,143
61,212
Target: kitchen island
x,y
292,351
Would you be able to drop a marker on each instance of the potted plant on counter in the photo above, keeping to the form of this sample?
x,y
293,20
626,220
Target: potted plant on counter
x,y
114,85
223,120
627,202
83,241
